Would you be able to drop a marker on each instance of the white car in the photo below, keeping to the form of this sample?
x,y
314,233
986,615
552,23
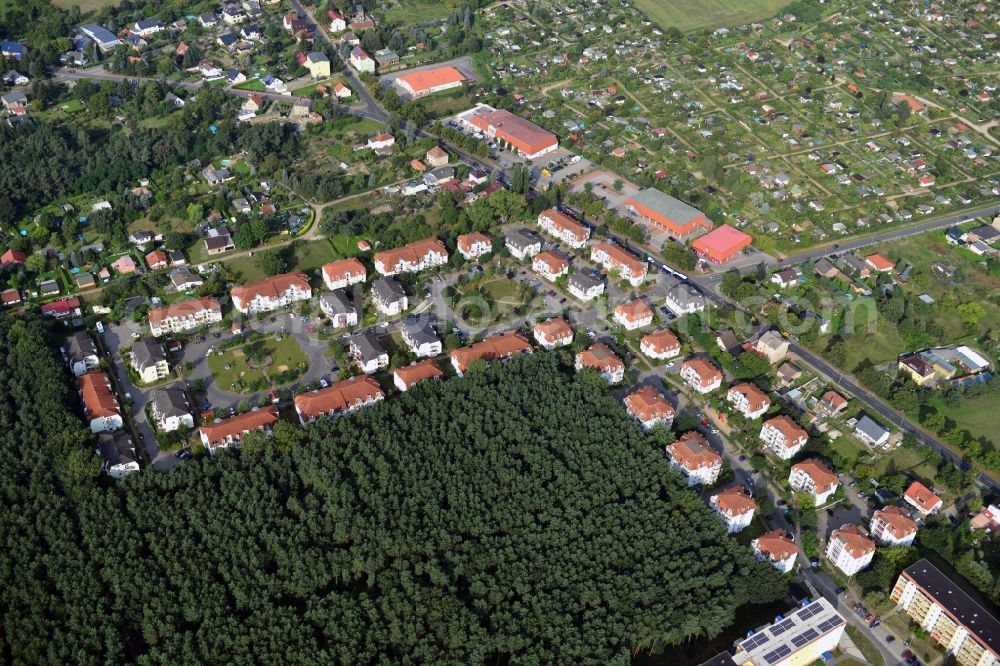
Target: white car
x,y
209,352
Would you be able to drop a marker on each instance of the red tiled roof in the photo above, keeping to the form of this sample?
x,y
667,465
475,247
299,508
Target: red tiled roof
x,y
411,252
564,222
661,341
777,545
338,397
466,241
756,398
12,257
735,501
183,309
789,428
692,452
600,357
620,257
706,372
491,349
632,311
523,134
271,287
235,426
922,497
879,263
340,269
821,475
98,399
647,403
551,262
418,372
896,520
554,330
855,543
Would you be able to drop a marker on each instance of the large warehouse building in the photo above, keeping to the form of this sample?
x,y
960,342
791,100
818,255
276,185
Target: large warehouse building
x,y
722,244
429,81
673,215
524,136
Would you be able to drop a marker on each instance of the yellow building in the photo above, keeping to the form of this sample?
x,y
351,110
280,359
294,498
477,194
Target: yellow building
x,y
318,64
953,618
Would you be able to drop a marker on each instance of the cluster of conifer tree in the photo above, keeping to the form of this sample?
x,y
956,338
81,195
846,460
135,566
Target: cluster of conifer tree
x,y
515,513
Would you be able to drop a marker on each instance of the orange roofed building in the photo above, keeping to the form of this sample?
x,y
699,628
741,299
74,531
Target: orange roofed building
x,y
692,455
613,258
650,407
340,398
921,498
850,550
564,227
892,526
343,273
722,244
100,405
776,547
634,314
748,400
672,215
879,263
813,477
601,358
429,81
493,348
271,293
553,333
412,257
736,507
783,436
184,316
701,375
527,138
474,245
409,376
229,431
661,345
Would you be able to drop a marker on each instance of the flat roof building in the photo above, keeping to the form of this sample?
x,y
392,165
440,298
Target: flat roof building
x,y
522,135
952,618
722,244
674,216
429,81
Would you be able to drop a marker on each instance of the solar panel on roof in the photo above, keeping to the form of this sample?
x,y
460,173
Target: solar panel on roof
x,y
809,611
805,637
753,643
782,627
778,653
827,625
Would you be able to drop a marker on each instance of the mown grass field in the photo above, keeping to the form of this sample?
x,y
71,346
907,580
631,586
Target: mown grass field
x,y
86,6
412,12
688,15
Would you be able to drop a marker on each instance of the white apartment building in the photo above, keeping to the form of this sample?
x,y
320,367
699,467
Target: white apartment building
x,y
892,526
748,400
850,550
783,436
813,477
271,293
736,507
184,316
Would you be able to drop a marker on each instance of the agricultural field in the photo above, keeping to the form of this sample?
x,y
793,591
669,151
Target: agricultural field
x,y
686,15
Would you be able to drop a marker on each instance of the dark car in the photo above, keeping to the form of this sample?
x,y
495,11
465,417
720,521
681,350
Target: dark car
x,y
890,638
781,502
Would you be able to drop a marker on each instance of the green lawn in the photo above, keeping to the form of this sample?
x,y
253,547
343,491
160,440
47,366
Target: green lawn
x,y
345,246
489,301
692,14
977,415
306,256
233,373
923,464
72,106
418,11
307,91
847,447
252,84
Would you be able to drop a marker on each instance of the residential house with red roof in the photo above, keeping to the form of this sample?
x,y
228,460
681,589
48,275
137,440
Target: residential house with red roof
x,y
701,375
879,263
343,273
565,228
921,498
777,548
748,400
100,406
601,358
892,526
474,245
184,316
813,477
227,432
849,549
271,293
412,257
736,507
340,398
661,345
12,259
613,258
493,348
409,376
649,407
552,333
695,458
550,265
633,315
783,436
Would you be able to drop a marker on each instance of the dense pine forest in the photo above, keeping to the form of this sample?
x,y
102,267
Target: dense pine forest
x,y
514,515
